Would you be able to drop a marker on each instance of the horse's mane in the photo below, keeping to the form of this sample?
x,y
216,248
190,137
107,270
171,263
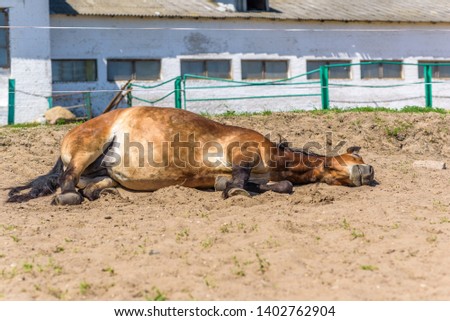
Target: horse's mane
x,y
285,146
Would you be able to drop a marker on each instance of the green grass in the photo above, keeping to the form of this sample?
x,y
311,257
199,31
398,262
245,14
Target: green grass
x,y
84,287
34,124
27,267
237,270
58,249
263,264
233,113
226,228
398,128
369,268
158,295
109,270
355,233
182,235
406,109
209,242
365,109
24,125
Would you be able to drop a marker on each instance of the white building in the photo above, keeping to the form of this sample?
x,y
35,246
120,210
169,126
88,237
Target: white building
x,y
25,57
95,45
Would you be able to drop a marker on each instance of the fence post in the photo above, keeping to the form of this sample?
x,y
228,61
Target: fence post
x,y
129,94
11,100
428,76
324,87
183,83
88,105
50,102
178,100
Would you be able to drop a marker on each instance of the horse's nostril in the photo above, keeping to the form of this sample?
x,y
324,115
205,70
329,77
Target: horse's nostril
x,y
362,174
368,174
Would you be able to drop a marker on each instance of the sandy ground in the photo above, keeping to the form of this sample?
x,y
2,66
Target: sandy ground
x,y
388,242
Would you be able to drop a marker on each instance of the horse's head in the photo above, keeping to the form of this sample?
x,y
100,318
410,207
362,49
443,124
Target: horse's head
x,y
347,169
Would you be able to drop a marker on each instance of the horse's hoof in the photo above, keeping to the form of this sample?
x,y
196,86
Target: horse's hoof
x,y
221,183
68,199
238,191
109,191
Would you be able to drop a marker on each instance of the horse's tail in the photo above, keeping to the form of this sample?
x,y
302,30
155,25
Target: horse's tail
x,y
40,186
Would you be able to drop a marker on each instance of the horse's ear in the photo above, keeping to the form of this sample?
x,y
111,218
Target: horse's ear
x,y
283,145
281,139
353,150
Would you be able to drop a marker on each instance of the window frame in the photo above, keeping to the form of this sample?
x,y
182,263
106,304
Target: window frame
x,y
5,11
133,66
205,66
380,70
75,81
330,62
264,68
420,68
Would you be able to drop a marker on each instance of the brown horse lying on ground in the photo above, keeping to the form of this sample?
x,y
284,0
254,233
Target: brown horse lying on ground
x,y
147,148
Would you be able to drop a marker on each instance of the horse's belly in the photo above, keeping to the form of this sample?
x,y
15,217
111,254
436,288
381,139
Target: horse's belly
x,y
148,179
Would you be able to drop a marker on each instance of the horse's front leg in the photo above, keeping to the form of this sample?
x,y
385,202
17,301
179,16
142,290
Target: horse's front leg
x,y
239,178
283,187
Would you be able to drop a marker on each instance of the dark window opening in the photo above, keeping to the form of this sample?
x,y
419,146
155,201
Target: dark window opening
x,y
260,5
74,70
264,69
119,70
207,68
339,72
438,71
4,39
381,71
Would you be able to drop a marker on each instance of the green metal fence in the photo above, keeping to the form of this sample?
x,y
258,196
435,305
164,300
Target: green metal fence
x,y
184,86
73,101
11,100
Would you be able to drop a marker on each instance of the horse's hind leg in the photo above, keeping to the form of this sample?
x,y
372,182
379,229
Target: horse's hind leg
x,y
68,183
91,188
71,176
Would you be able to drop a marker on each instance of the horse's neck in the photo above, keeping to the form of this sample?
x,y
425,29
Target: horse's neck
x,y
304,162
304,167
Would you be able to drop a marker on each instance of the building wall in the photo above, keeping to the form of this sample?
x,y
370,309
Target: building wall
x,y
256,39
30,60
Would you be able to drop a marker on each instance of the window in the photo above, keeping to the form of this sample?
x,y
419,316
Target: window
x,y
438,71
74,70
4,39
133,69
381,70
207,68
264,69
333,72
252,5
260,5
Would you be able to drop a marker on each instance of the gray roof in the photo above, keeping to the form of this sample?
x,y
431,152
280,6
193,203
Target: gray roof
x,y
321,10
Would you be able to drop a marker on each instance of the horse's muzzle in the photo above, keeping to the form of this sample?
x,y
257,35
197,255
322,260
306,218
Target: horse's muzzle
x,y
362,174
